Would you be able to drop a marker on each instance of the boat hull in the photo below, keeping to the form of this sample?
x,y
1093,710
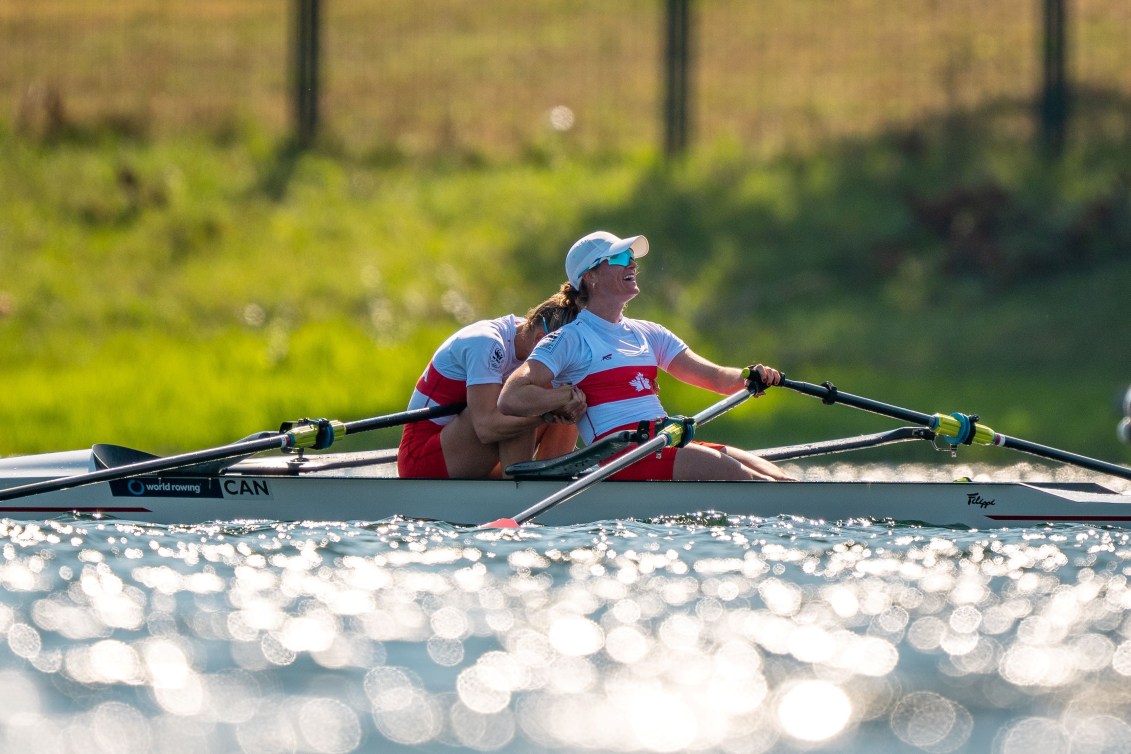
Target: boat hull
x,y
330,489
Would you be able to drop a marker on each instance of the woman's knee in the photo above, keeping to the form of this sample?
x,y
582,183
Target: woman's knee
x,y
695,462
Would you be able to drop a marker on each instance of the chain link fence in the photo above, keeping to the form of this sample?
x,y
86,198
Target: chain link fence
x,y
511,77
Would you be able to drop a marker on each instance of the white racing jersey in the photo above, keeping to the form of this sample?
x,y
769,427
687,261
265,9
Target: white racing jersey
x,y
481,353
614,364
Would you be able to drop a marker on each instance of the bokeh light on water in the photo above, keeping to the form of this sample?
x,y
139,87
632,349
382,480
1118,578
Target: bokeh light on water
x,y
702,633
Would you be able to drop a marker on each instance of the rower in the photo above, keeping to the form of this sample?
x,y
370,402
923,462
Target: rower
x,y
469,368
615,361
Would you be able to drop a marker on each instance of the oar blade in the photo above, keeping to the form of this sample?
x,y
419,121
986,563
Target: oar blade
x,y
502,523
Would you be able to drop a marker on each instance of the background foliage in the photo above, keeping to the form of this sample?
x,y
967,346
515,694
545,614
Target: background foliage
x,y
173,274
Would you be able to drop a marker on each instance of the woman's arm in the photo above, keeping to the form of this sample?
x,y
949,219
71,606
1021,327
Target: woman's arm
x,y
527,392
695,370
490,424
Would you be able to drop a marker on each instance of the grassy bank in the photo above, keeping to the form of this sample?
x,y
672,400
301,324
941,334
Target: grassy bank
x,y
180,293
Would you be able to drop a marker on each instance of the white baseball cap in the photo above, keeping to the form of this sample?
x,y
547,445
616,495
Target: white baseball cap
x,y
597,247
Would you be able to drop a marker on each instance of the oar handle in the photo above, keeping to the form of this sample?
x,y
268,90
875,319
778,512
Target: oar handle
x,y
405,417
322,433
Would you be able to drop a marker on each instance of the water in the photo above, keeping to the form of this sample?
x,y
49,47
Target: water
x,y
699,634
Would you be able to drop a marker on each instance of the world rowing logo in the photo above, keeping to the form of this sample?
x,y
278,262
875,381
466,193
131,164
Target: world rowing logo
x,y
190,487
973,498
641,383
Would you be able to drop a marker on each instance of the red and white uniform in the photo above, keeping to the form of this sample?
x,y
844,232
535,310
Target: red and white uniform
x,y
480,354
614,364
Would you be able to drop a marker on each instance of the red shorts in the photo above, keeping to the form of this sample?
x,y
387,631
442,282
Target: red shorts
x,y
651,468
420,455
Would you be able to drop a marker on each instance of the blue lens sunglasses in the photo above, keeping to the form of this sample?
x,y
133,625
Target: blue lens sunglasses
x,y
616,260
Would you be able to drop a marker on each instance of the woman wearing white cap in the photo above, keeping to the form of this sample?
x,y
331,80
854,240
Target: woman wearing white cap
x,y
614,360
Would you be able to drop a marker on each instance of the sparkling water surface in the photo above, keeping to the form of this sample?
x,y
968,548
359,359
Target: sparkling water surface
x,y
703,633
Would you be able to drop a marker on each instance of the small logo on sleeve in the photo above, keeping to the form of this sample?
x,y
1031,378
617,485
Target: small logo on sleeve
x,y
550,342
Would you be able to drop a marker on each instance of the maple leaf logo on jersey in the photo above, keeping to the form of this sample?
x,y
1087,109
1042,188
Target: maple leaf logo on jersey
x,y
641,383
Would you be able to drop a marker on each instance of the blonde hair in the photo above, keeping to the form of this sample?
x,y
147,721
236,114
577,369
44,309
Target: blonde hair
x,y
558,310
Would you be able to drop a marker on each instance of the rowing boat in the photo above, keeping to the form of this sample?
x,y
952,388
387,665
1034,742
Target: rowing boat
x,y
362,486
271,477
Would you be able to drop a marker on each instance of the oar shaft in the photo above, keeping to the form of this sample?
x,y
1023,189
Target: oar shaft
x,y
405,417
1043,451
830,394
846,444
167,463
955,426
656,444
299,435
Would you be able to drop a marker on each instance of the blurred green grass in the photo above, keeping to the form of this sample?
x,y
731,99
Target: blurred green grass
x,y
430,77
182,292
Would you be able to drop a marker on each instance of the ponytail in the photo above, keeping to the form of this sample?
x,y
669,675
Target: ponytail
x,y
558,310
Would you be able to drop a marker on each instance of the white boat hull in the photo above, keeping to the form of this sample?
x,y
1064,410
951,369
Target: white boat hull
x,y
338,487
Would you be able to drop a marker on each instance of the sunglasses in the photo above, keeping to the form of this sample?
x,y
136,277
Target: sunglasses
x,y
616,260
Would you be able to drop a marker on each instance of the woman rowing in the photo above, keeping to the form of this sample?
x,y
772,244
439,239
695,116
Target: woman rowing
x,y
470,367
615,361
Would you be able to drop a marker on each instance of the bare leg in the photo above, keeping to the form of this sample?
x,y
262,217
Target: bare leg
x,y
556,440
465,456
516,449
469,458
695,462
758,464
547,440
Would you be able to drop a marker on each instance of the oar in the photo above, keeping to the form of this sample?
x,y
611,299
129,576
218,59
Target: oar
x,y
318,434
957,429
844,445
670,435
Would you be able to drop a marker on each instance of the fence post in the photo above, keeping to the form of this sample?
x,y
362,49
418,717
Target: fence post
x,y
677,66
306,52
1054,94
